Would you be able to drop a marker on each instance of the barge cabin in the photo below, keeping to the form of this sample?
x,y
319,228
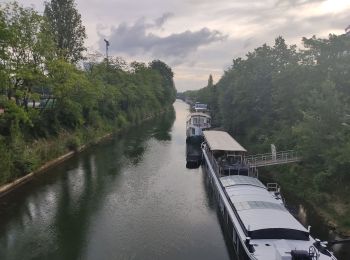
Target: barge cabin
x,y
196,123
255,217
226,154
199,107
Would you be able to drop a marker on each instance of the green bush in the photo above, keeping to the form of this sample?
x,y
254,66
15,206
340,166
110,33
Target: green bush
x,y
73,143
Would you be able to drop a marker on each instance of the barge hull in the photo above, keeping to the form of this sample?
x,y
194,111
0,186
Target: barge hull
x,y
228,216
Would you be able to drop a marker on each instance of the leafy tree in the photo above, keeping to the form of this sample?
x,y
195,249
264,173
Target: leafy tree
x,y
25,49
210,81
67,29
74,95
294,99
167,79
78,104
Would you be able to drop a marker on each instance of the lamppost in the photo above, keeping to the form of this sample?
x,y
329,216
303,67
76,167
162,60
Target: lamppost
x,y
107,45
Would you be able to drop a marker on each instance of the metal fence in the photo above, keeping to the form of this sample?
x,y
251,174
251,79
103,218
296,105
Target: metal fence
x,y
267,159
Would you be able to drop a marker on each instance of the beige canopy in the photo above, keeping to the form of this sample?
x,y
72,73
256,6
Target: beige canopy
x,y
222,141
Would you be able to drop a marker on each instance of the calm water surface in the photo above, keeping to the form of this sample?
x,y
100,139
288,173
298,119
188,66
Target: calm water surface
x,y
127,198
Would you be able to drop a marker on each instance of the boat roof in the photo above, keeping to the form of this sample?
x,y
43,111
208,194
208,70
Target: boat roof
x,y
262,214
222,141
199,114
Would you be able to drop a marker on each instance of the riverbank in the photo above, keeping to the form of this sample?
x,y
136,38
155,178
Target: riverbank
x,y
46,153
332,207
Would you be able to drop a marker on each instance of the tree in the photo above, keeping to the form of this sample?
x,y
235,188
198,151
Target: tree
x,y
210,81
167,79
25,49
67,29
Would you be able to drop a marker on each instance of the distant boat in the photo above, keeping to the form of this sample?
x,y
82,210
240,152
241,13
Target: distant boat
x,y
196,123
200,107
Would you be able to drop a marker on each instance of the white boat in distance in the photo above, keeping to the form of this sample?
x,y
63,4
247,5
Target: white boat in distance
x,y
196,123
199,107
255,217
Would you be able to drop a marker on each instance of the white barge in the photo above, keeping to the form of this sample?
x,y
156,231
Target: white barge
x,y
196,123
256,219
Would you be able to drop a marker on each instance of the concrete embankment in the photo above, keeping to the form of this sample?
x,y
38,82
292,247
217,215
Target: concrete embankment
x,y
6,188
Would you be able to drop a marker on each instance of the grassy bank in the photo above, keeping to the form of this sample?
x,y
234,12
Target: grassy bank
x,y
28,157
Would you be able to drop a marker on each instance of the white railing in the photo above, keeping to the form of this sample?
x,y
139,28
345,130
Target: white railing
x,y
253,172
201,125
267,159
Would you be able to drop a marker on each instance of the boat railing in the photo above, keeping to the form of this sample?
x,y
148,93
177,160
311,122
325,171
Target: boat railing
x,y
231,169
253,172
203,125
213,162
273,187
217,171
266,159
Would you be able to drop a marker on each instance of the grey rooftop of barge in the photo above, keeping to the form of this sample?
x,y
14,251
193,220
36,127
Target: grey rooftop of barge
x,y
257,208
222,141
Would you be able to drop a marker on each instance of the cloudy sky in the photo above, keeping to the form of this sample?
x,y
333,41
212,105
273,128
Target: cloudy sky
x,y
201,37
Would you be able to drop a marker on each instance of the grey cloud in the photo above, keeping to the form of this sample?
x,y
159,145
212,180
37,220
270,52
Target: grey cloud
x,y
317,24
161,20
136,39
295,2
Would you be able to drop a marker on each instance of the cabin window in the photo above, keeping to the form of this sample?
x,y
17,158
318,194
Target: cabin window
x,y
193,131
230,228
234,158
234,236
279,233
222,206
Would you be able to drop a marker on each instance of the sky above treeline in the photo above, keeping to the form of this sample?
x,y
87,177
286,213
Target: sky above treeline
x,y
201,37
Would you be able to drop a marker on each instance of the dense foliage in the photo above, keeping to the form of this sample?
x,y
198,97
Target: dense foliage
x,y
66,28
295,99
48,105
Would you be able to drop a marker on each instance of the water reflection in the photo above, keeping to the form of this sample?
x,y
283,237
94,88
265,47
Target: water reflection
x,y
162,130
55,213
129,197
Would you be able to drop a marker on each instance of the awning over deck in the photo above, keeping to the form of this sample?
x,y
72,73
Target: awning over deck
x,y
222,141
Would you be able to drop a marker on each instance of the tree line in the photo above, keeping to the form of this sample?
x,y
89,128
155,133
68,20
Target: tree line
x,y
296,99
54,98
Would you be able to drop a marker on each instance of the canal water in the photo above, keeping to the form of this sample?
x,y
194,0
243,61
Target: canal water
x,y
130,197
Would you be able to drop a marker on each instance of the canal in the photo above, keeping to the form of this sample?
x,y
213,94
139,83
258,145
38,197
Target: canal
x,y
130,197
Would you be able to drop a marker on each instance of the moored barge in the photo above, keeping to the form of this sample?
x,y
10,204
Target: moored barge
x,y
256,219
196,123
